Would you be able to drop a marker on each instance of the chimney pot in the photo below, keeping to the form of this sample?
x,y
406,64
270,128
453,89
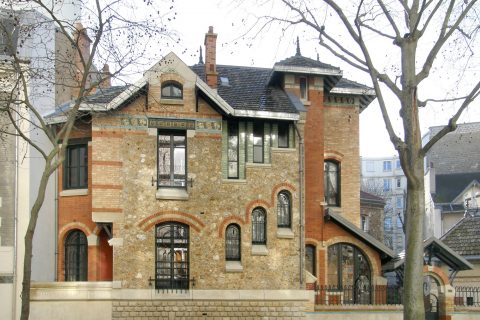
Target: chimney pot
x,y
211,74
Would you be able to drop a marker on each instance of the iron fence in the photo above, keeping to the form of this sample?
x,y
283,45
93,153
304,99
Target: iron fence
x,y
353,295
467,296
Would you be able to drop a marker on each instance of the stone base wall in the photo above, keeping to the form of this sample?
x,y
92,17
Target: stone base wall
x,y
123,310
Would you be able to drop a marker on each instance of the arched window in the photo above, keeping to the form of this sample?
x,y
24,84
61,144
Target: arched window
x,y
232,243
76,256
332,183
348,268
284,209
259,226
172,90
310,265
172,261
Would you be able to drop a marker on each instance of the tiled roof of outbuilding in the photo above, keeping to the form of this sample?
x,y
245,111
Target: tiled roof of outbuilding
x,y
301,61
248,89
464,236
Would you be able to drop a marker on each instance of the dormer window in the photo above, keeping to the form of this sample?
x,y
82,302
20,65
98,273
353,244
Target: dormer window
x,y
303,88
172,90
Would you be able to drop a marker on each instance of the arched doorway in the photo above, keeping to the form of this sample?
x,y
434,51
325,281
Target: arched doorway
x,y
431,291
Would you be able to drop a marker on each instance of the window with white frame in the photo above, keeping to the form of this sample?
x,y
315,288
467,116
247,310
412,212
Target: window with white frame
x,y
172,165
387,185
387,166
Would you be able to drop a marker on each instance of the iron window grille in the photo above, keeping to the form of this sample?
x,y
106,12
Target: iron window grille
x,y
332,183
259,223
284,210
348,266
233,243
76,256
172,90
172,270
172,162
75,175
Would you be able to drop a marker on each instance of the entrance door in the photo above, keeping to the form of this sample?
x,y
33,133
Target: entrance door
x,y
430,297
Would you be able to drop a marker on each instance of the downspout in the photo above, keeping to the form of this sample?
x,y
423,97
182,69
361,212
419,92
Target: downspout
x,y
300,203
55,263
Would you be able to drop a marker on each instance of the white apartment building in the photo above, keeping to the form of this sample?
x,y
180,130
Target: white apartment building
x,y
384,177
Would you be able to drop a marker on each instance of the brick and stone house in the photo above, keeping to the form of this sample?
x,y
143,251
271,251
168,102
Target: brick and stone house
x,y
217,183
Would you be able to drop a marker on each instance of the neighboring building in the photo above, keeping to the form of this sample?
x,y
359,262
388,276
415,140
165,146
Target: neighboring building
x,y
384,177
371,214
452,176
202,184
33,37
463,237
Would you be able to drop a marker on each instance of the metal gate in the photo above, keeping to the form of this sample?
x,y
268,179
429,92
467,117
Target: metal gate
x,y
430,297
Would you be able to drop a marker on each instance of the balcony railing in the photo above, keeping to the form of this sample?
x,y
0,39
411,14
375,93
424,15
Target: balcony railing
x,y
467,296
352,295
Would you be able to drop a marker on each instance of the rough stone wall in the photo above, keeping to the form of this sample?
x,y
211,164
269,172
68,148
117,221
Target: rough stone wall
x,y
7,181
375,224
123,310
124,163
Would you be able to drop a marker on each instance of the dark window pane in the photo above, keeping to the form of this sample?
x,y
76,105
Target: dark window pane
x,y
172,259
310,259
303,88
258,142
172,159
258,226
283,135
283,209
172,90
331,183
232,242
76,167
76,256
232,152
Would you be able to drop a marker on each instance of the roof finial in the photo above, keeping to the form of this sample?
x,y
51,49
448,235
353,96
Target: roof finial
x,y
200,59
318,57
298,47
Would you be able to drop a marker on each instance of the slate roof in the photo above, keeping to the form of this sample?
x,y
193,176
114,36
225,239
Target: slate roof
x,y
458,151
449,186
301,61
371,198
464,237
248,89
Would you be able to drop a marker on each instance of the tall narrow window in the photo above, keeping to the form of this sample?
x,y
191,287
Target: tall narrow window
x,y
172,257
172,90
310,259
332,183
284,210
76,167
259,223
283,129
303,88
387,185
233,150
258,142
172,171
232,243
76,256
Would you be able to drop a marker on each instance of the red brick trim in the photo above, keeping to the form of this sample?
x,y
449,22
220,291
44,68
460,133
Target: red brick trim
x,y
150,221
107,186
279,187
107,163
333,155
252,205
71,226
107,134
232,219
183,114
437,273
208,136
107,210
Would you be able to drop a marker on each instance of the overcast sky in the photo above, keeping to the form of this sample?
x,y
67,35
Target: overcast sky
x,y
194,17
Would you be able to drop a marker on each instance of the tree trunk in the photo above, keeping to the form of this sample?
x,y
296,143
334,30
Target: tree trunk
x,y
27,259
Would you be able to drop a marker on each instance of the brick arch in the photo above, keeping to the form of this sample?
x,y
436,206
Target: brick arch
x,y
170,76
252,205
436,273
313,242
71,226
279,187
167,215
366,250
333,155
229,220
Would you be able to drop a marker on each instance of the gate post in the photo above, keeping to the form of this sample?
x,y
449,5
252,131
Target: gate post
x,y
446,302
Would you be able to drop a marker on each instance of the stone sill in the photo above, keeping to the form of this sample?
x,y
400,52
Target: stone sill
x,y
233,266
171,194
73,192
235,181
258,165
283,150
172,101
285,233
259,250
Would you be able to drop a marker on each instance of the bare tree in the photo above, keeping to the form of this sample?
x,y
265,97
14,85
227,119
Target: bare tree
x,y
418,36
63,68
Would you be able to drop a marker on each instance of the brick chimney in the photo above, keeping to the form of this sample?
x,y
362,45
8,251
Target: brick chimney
x,y
106,77
211,74
83,44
